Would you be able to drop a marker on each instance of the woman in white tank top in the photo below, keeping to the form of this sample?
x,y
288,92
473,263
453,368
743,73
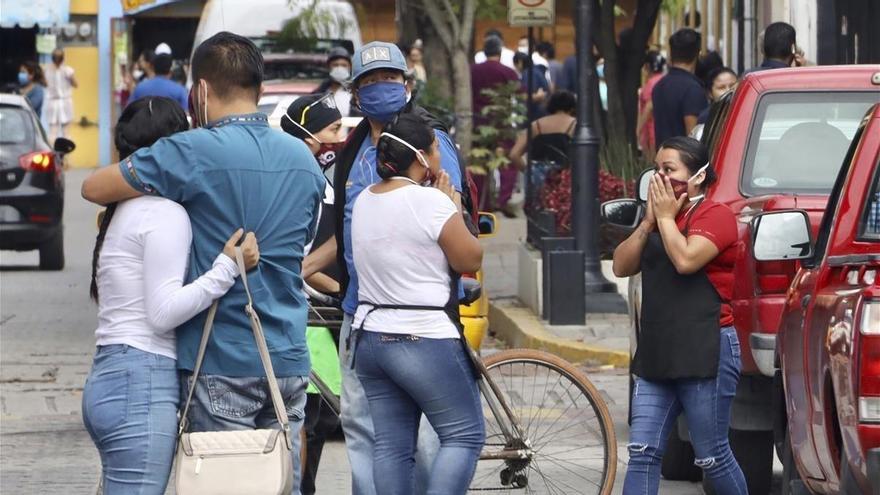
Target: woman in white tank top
x,y
131,395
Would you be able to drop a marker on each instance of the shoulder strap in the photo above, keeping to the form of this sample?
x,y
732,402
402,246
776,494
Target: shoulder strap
x,y
571,127
257,327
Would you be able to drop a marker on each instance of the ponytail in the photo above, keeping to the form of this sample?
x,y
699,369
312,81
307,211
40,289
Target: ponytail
x,y
106,216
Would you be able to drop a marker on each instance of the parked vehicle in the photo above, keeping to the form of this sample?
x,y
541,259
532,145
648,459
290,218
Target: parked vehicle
x,y
31,184
776,143
828,345
334,21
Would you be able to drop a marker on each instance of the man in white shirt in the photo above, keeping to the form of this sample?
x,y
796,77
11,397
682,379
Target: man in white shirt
x,y
506,53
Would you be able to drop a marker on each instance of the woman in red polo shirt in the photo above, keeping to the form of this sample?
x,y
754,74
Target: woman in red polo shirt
x,y
688,356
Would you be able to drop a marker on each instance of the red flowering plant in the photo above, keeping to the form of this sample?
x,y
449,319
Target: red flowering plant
x,y
616,180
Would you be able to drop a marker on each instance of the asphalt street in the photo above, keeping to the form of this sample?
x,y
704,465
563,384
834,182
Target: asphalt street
x,y
46,345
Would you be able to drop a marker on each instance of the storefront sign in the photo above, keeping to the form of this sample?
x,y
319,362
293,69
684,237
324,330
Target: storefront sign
x,y
531,13
135,6
46,43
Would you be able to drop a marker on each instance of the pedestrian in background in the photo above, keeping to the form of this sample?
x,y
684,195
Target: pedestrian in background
x,y
555,71
652,71
540,87
688,356
161,84
235,171
316,121
487,75
679,97
58,107
32,84
506,57
380,92
339,64
551,137
415,62
718,82
131,395
404,269
780,48
143,67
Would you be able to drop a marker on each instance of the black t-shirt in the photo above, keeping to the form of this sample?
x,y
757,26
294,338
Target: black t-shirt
x,y
677,94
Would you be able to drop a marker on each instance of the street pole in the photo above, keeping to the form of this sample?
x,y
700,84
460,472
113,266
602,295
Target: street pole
x,y
530,88
585,162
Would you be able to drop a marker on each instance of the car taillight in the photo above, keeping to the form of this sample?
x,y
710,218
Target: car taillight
x,y
40,161
869,362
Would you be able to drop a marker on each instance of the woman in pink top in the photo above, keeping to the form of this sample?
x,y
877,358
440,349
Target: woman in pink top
x,y
654,68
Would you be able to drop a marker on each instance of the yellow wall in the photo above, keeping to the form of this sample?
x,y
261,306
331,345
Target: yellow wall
x,y
86,7
84,60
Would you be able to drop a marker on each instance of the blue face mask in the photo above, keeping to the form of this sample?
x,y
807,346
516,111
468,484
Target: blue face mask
x,y
23,78
380,101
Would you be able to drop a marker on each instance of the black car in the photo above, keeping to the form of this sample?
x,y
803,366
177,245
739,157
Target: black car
x,y
31,184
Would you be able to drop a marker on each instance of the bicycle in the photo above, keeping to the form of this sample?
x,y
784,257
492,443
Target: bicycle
x,y
525,450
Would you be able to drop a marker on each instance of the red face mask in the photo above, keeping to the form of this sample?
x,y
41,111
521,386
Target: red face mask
x,y
679,187
327,153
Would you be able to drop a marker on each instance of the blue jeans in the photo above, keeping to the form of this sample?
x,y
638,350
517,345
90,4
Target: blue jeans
x,y
129,408
405,376
706,403
224,403
357,425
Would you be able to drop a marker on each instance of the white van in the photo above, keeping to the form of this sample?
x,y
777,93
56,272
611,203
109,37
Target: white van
x,y
255,19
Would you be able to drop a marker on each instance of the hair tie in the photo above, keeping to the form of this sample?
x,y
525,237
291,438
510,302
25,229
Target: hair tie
x,y
392,167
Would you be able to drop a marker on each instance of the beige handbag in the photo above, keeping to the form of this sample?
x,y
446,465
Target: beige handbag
x,y
252,462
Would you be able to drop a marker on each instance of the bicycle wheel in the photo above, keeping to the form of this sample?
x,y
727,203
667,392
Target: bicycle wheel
x,y
566,424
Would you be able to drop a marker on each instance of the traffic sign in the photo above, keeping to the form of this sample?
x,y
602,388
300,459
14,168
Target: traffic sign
x,y
531,13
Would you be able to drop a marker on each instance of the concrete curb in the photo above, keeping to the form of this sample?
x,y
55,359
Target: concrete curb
x,y
521,328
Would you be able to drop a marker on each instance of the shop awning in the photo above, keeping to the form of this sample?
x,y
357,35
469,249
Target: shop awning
x,y
27,13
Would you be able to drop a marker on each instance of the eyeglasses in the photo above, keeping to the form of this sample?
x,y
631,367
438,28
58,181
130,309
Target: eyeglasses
x,y
326,100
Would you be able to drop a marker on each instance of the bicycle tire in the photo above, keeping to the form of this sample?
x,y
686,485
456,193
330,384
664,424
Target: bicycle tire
x,y
555,368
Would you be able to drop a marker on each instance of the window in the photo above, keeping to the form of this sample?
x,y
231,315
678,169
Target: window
x,y
798,140
870,228
15,126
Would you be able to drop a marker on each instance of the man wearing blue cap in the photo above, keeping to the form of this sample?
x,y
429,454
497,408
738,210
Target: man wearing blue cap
x,y
380,93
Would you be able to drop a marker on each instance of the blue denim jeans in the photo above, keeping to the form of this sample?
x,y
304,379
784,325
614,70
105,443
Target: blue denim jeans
x,y
129,408
357,425
405,376
706,405
223,403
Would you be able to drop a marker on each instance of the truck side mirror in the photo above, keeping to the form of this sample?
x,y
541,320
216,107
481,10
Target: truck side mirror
x,y
781,236
626,213
643,184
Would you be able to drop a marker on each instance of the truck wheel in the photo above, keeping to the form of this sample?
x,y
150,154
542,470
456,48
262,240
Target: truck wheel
x,y
754,453
678,460
52,252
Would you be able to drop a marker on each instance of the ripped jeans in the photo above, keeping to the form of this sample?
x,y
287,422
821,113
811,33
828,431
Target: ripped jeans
x,y
706,405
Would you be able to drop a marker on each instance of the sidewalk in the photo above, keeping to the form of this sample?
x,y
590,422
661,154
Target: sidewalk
x,y
603,341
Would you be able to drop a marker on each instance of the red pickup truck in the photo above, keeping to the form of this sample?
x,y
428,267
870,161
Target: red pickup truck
x,y
776,143
829,339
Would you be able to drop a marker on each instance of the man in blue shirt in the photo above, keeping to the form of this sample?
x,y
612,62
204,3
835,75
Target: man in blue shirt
x,y
235,172
679,97
161,84
380,92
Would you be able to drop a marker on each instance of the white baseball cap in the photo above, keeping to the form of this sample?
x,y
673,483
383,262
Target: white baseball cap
x,y
163,48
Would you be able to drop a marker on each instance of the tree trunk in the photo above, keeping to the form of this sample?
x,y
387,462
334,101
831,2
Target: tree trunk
x,y
634,57
461,74
413,24
608,45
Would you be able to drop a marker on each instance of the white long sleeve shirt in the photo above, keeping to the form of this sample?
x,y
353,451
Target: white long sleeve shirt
x,y
141,268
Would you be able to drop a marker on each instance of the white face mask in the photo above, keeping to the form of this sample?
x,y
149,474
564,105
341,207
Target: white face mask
x,y
340,74
138,73
700,171
419,156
